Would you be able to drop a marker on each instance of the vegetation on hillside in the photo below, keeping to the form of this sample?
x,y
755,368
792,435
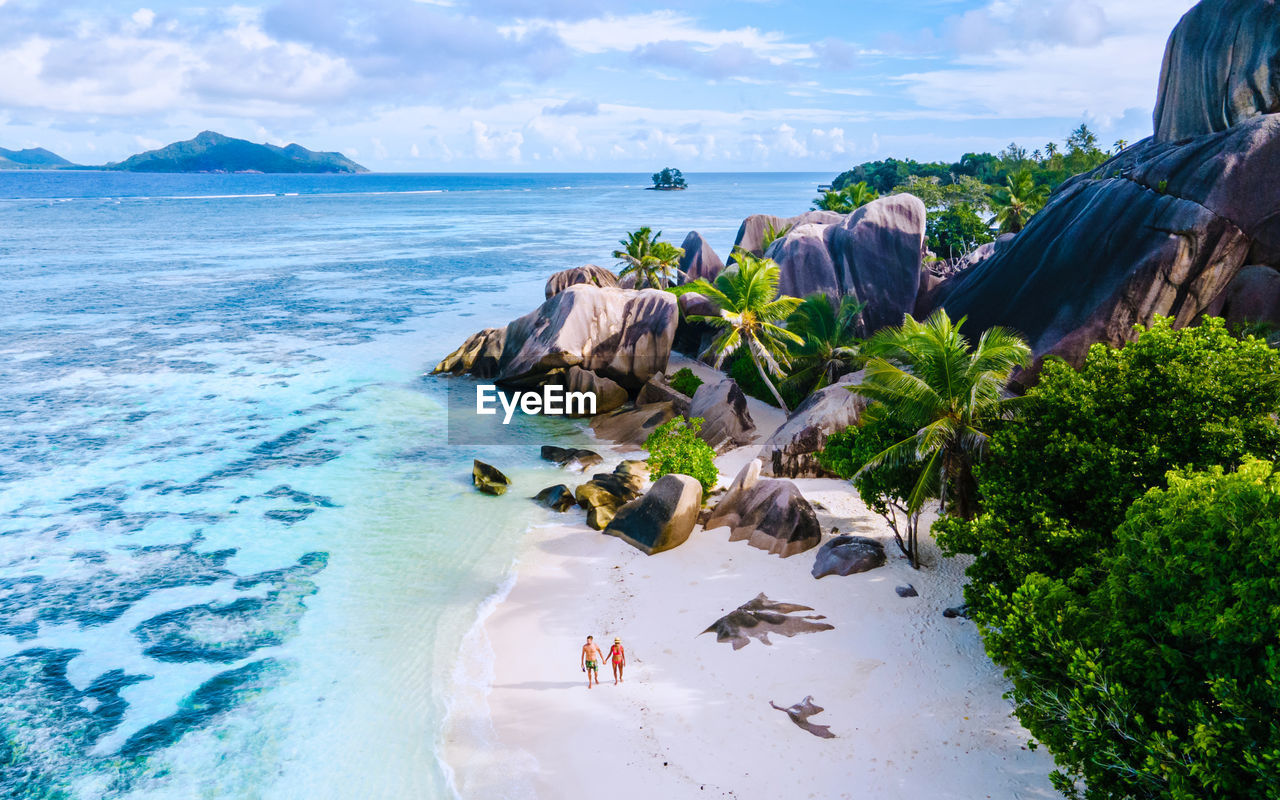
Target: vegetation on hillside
x,y
973,199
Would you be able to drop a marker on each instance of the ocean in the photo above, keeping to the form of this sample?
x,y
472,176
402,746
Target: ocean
x,y
237,556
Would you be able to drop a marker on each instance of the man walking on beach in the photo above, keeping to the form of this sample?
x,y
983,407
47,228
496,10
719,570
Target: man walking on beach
x,y
591,658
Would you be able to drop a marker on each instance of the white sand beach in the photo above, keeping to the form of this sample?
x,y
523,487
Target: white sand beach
x,y
915,705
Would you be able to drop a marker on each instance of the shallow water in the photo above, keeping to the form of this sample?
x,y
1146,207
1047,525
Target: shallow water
x,y
237,557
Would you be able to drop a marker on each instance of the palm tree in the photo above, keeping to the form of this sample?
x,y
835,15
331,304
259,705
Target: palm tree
x,y
848,199
926,375
771,235
830,346
651,261
1017,201
1120,145
1051,149
750,310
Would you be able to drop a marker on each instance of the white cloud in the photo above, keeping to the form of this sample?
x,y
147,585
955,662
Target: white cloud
x,y
496,146
627,33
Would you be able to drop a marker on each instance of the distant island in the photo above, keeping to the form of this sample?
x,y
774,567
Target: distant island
x,y
31,158
669,180
213,152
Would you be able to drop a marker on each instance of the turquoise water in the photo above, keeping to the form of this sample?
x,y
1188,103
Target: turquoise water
x,y
237,556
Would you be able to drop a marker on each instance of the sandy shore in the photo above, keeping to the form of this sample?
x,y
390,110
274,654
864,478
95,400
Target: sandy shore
x,y
914,703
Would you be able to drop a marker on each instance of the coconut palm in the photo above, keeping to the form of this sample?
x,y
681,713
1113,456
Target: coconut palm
x,y
1121,145
926,375
1017,201
652,262
848,199
750,313
830,346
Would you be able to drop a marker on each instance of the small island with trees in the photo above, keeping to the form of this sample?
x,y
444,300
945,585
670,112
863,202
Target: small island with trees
x,y
669,180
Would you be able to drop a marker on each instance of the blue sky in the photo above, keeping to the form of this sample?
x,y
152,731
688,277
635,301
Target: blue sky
x,y
590,85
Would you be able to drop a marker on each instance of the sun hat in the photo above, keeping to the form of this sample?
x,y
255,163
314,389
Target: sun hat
x,y
616,640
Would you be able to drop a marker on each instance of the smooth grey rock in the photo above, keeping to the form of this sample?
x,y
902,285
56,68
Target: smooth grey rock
x,y
488,479
477,356
659,390
632,425
1253,296
751,233
558,497
848,555
726,422
878,253
663,518
769,514
906,591
759,617
609,395
1221,67
792,450
699,260
588,273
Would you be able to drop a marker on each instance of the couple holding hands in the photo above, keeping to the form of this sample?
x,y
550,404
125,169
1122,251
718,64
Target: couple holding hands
x,y
591,658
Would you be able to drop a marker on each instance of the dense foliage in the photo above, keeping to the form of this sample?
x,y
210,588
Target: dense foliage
x,y
885,490
651,262
947,392
1159,679
955,231
846,199
1059,479
685,382
675,448
750,315
829,345
669,178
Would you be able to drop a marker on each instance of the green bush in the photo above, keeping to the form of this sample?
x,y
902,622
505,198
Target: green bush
x,y
955,231
1163,679
685,382
885,489
743,370
675,448
1057,481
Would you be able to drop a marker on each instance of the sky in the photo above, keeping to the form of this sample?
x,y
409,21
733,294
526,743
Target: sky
x,y
581,85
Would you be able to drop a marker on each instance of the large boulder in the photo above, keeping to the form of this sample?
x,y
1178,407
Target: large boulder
x,y
488,478
633,425
663,518
693,336
1221,68
848,555
699,260
726,422
609,395
659,390
1160,229
755,228
792,450
874,254
589,274
768,513
477,356
607,492
558,497
621,335
1253,296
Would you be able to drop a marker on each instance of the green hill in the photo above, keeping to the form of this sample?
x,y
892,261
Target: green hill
x,y
213,152
31,158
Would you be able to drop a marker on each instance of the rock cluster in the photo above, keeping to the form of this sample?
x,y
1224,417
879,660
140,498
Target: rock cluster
x,y
607,492
792,450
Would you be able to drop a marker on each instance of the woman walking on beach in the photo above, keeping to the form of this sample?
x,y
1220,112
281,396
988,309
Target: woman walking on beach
x,y
617,657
